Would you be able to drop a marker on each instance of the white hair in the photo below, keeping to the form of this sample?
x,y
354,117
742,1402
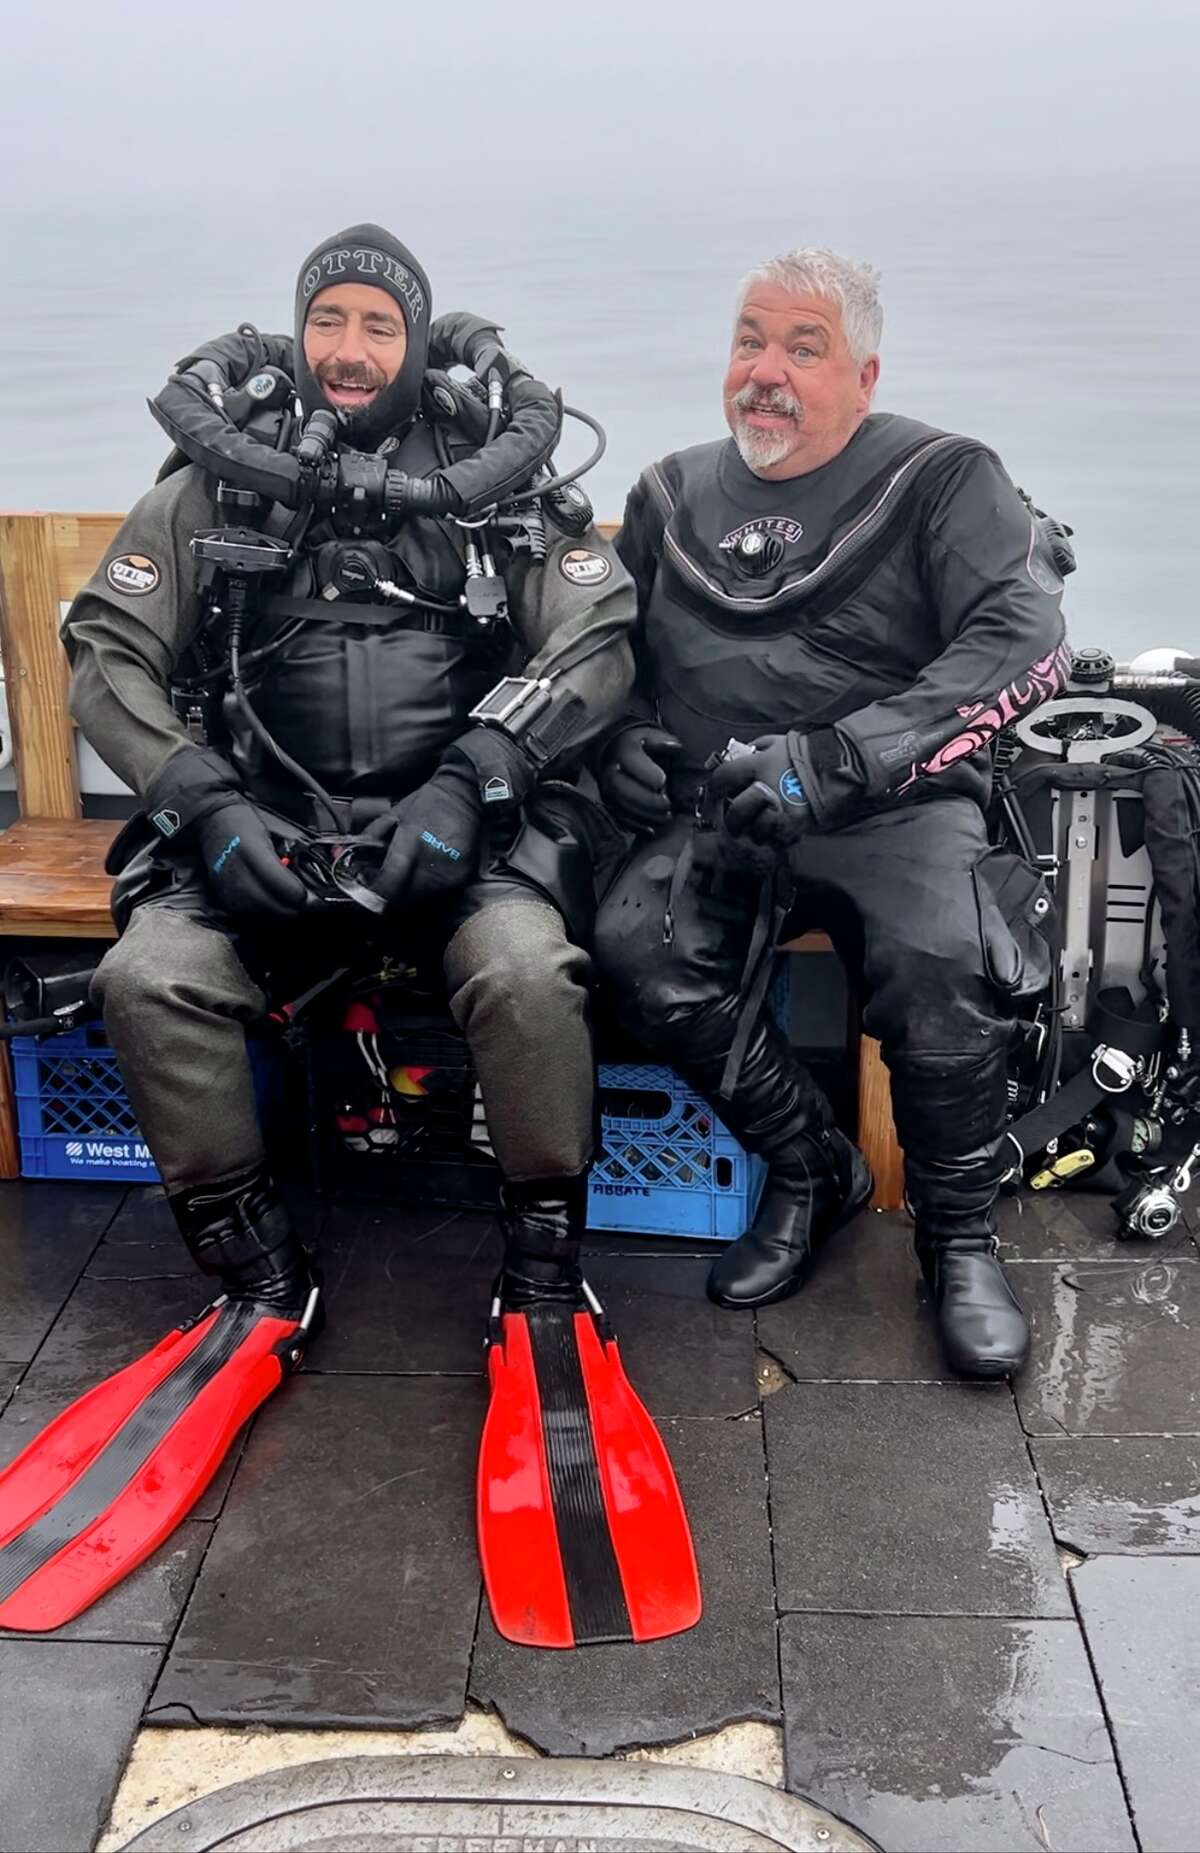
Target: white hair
x,y
812,271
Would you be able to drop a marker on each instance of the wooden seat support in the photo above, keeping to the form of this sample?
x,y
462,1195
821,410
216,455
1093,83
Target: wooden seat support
x,y
52,880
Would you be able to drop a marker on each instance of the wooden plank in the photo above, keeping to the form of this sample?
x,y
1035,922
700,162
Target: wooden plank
x,y
52,880
10,1144
35,668
80,543
809,942
877,1129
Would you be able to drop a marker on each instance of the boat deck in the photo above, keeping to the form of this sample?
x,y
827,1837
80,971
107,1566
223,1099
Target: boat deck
x,y
972,1612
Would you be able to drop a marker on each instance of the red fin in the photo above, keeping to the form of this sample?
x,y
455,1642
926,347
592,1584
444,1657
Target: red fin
x,y
595,1548
167,1475
646,1516
518,1538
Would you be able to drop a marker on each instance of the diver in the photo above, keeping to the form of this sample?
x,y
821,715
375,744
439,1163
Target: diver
x,y
839,611
343,652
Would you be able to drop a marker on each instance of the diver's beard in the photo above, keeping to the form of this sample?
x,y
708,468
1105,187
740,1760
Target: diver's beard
x,y
762,450
348,416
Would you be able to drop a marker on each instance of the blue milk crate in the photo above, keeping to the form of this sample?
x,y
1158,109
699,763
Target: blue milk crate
x,y
666,1165
73,1113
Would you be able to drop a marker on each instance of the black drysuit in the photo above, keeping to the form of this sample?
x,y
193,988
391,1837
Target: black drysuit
x,y
894,609
367,697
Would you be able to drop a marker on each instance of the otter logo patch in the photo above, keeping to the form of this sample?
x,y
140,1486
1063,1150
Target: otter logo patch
x,y
583,567
133,574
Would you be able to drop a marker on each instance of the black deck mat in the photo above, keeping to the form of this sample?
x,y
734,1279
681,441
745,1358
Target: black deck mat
x,y
1142,1619
69,1717
589,1702
907,1499
1128,1494
406,1290
873,1506
864,1314
47,1232
952,1735
683,1355
142,1241
1069,1225
1114,1347
342,1586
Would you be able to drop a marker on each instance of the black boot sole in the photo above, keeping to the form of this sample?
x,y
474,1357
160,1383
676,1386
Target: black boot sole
x,y
990,1372
849,1210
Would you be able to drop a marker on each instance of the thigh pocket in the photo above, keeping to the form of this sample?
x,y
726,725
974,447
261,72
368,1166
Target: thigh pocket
x,y
1016,923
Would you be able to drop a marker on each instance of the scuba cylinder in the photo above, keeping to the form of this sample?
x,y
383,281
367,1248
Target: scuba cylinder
x,y
1103,792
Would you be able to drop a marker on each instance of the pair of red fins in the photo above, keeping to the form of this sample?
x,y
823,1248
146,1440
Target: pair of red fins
x,y
583,1536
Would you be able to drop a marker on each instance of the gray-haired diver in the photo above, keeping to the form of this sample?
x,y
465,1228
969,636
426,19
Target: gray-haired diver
x,y
859,603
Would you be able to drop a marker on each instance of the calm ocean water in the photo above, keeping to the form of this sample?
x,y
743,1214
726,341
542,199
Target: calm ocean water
x,y
1060,330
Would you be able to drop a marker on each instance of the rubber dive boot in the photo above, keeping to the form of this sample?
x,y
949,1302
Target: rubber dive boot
x,y
817,1183
981,1323
950,1115
240,1232
542,1224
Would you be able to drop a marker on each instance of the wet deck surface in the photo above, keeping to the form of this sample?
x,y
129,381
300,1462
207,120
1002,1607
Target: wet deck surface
x,y
975,1612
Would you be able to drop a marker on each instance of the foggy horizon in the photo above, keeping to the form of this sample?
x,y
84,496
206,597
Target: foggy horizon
x,y
153,104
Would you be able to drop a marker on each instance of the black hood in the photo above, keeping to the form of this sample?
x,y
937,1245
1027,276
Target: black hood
x,y
368,254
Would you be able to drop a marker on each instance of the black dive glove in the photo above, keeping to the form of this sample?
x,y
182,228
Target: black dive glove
x,y
761,790
432,837
431,840
632,776
203,816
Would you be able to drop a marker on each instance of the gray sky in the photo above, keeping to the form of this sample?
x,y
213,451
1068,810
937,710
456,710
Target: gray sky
x,y
143,99
1023,173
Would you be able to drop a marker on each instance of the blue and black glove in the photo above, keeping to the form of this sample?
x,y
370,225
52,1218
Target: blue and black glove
x,y
433,836
763,797
203,816
430,840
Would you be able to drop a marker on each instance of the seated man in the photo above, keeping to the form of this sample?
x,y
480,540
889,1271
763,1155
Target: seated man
x,y
348,644
868,602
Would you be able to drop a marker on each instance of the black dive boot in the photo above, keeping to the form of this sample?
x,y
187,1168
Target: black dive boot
x,y
816,1182
239,1231
543,1224
951,1126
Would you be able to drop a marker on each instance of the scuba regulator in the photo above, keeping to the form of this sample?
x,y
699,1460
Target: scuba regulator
x,y
232,410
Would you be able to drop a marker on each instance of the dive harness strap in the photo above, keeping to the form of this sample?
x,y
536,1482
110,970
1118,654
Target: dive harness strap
x,y
1124,1038
342,611
774,904
773,909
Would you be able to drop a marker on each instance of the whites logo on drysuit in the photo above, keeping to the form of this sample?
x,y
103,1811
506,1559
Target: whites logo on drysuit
x,y
132,572
751,537
582,567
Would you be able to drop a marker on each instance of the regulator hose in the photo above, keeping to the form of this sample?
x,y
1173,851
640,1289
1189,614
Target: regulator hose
x,y
191,408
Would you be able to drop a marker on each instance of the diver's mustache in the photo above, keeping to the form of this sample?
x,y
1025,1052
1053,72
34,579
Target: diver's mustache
x,y
772,399
350,373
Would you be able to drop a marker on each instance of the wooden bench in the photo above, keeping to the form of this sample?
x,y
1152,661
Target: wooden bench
x,y
52,880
